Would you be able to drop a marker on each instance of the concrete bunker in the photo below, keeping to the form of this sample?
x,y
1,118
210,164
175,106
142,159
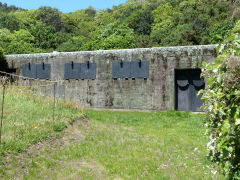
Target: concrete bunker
x,y
106,83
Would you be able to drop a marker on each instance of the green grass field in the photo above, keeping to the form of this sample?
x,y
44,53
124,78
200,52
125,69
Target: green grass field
x,y
105,145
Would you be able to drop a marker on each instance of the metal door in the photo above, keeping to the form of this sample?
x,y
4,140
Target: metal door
x,y
188,83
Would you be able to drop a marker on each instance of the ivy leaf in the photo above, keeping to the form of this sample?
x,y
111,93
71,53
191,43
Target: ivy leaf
x,y
237,117
226,126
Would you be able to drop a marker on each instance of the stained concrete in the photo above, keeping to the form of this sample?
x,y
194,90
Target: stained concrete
x,y
155,93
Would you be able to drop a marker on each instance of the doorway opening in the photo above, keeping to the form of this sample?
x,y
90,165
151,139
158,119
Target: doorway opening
x,y
187,84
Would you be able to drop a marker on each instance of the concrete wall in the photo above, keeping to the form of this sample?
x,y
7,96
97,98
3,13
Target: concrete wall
x,y
155,93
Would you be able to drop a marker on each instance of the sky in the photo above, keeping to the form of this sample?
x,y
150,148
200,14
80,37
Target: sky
x,y
64,5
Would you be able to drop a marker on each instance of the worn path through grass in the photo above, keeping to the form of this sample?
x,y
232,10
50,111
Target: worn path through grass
x,y
44,154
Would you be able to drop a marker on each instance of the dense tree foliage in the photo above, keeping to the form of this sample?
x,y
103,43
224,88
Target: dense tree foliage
x,y
9,21
222,105
5,8
136,23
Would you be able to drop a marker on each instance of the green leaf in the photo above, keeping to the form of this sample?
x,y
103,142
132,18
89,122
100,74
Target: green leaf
x,y
226,126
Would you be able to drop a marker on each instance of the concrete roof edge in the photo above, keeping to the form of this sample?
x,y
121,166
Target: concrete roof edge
x,y
54,54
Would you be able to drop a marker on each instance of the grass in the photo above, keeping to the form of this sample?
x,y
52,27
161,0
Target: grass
x,y
28,119
137,145
111,145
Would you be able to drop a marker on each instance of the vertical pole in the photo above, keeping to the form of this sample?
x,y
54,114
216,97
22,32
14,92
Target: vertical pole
x,y
54,100
2,113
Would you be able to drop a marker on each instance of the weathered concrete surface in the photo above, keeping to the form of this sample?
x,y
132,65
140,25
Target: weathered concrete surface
x,y
155,93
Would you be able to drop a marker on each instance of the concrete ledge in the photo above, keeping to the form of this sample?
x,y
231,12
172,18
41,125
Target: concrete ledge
x,y
176,49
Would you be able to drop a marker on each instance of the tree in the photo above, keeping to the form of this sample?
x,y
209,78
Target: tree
x,y
5,38
23,35
190,22
136,23
5,8
143,41
236,9
125,10
115,36
219,30
141,21
18,42
75,43
22,42
104,18
44,36
51,17
80,23
163,24
22,47
9,21
26,18
90,11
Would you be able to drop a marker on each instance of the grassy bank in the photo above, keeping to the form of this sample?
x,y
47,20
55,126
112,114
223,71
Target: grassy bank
x,y
28,119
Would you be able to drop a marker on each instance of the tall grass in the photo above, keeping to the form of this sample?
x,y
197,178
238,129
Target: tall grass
x,y
28,119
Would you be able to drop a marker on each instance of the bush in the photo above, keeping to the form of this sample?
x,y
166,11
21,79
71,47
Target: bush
x,y
3,63
222,105
2,56
75,43
115,36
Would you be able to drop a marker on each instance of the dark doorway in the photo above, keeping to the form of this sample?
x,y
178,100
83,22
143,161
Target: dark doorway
x,y
188,83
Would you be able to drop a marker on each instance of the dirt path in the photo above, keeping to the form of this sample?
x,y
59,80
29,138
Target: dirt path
x,y
22,162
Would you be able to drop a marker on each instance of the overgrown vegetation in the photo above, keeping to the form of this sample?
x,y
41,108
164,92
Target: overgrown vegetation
x,y
3,63
222,105
133,24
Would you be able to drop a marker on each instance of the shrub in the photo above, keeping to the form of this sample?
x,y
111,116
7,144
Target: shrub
x,y
222,105
2,57
3,63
